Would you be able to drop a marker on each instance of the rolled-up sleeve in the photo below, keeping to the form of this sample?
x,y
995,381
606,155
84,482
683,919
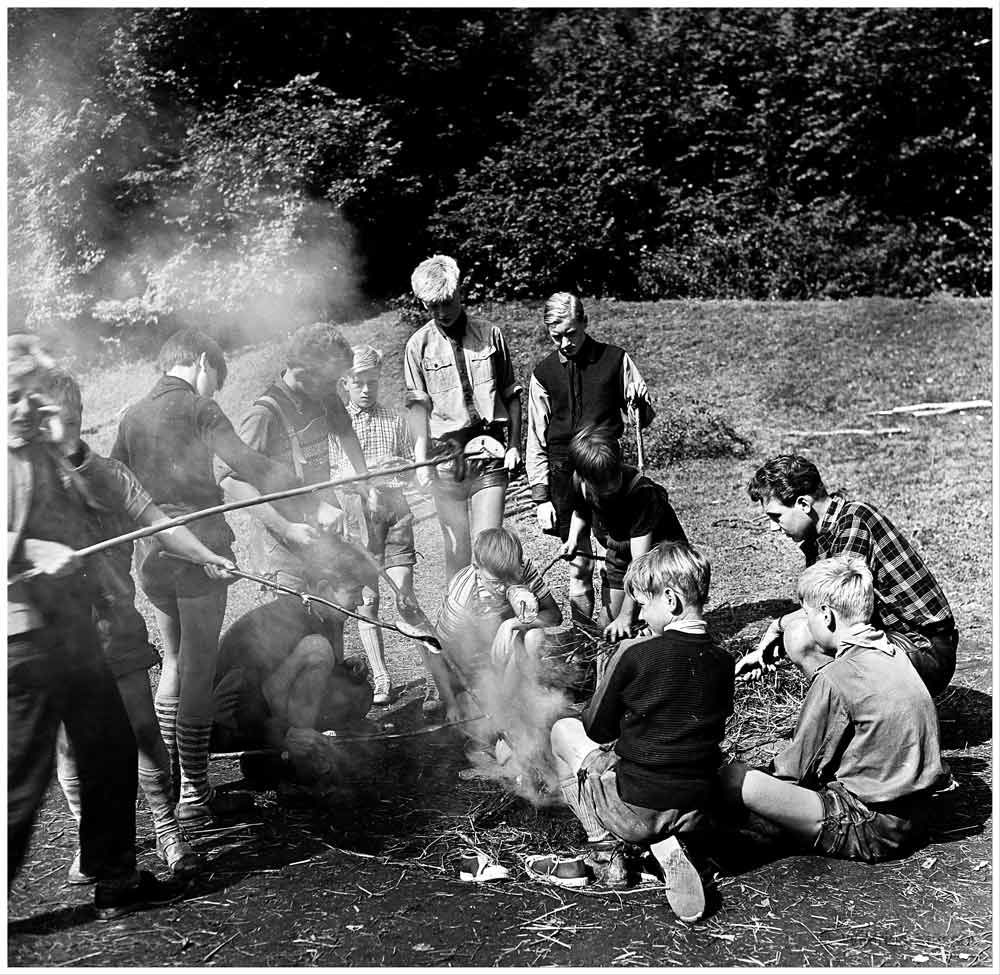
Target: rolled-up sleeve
x,y
536,461
507,384
413,375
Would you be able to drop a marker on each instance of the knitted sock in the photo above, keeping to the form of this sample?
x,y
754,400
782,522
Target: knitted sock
x,y
166,716
158,790
192,749
371,640
571,796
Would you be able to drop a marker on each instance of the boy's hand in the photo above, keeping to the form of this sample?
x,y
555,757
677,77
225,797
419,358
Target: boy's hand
x,y
329,518
567,548
753,665
299,535
546,515
50,558
505,642
422,477
618,629
219,569
512,459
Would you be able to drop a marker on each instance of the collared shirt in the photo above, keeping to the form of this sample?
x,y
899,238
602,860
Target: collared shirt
x,y
867,722
433,380
576,377
907,596
383,436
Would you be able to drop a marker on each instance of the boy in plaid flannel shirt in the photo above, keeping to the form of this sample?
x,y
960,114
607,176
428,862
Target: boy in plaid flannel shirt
x,y
384,440
909,604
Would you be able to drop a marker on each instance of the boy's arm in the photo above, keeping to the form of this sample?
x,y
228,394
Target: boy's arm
x,y
770,648
814,753
635,394
602,716
579,525
536,462
621,626
418,407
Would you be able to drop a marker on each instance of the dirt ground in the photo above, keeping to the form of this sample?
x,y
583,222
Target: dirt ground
x,y
366,875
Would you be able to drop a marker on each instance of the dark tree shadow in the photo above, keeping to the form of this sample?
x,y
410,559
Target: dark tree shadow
x,y
966,717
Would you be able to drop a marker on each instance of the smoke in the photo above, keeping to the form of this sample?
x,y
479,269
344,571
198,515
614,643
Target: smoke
x,y
524,694
133,213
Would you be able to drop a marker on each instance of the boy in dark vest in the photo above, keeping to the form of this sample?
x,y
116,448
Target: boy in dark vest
x,y
627,512
292,423
583,382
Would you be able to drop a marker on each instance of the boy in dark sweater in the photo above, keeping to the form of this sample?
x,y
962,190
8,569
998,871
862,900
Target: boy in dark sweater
x,y
170,439
640,766
627,512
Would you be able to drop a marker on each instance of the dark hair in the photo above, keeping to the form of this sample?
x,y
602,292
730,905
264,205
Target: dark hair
x,y
185,347
337,563
595,454
786,478
318,346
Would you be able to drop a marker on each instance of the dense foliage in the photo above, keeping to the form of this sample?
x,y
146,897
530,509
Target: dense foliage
x,y
237,167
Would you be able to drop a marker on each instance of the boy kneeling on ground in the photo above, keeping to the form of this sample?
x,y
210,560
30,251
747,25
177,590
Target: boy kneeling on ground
x,y
856,780
641,766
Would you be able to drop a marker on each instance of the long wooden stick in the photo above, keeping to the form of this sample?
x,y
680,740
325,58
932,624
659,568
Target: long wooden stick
x,y
220,509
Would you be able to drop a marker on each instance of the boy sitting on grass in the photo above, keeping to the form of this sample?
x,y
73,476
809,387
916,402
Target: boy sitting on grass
x,y
627,512
641,765
910,606
492,646
856,780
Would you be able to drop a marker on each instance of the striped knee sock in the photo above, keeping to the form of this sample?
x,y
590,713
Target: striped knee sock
x,y
166,716
371,640
192,750
158,790
571,796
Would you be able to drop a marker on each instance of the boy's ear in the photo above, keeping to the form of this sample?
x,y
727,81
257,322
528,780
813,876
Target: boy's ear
x,y
829,618
805,502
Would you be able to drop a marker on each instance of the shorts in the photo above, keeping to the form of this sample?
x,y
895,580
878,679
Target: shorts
x,y
390,535
598,792
852,830
166,580
479,475
932,654
125,642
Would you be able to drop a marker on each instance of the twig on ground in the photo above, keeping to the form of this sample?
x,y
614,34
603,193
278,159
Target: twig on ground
x,y
935,409
849,432
219,947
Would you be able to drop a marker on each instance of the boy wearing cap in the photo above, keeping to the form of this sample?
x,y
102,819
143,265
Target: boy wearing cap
x,y
384,440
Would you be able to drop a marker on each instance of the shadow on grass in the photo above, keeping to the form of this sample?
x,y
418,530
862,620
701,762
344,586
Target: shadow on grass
x,y
727,620
966,717
964,811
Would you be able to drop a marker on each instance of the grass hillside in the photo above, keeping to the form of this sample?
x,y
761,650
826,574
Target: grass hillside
x,y
733,383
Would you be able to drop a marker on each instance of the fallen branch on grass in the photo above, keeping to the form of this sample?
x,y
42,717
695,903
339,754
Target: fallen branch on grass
x,y
935,409
849,431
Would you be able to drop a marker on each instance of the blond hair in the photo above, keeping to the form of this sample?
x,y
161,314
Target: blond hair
x,y
435,280
844,583
564,306
671,565
499,552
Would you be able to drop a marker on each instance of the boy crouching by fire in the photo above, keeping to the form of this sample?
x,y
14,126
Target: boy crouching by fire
x,y
492,626
640,768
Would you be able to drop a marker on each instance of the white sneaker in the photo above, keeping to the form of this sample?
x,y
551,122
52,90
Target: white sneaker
x,y
685,893
384,691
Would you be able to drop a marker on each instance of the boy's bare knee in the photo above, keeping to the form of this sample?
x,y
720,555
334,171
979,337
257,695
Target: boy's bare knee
x,y
562,733
315,651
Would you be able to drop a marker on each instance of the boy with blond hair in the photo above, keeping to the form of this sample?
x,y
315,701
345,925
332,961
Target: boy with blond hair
x,y
460,384
640,766
856,779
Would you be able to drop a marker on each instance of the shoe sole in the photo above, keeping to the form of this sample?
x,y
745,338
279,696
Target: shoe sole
x,y
684,889
81,881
